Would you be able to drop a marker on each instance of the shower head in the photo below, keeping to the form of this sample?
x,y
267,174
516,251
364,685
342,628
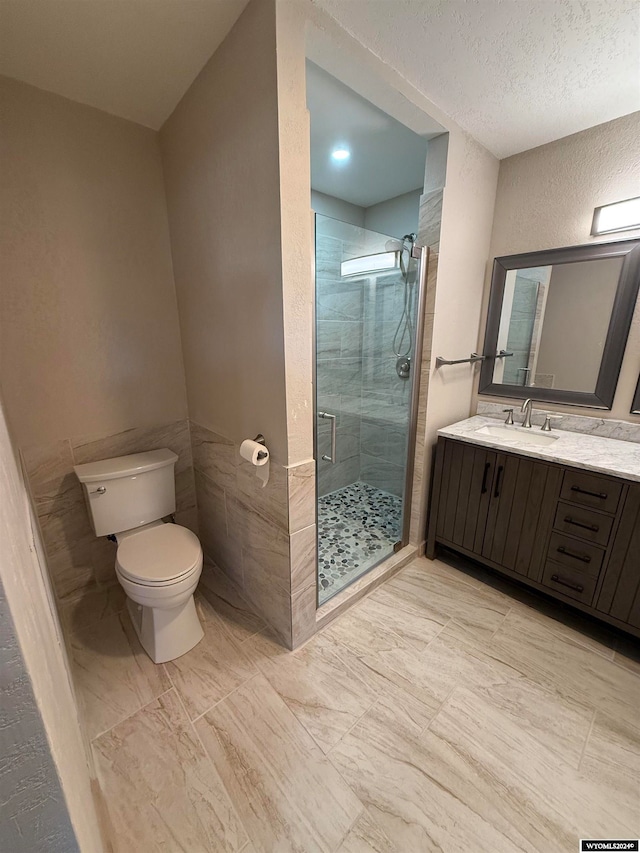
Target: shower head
x,y
399,245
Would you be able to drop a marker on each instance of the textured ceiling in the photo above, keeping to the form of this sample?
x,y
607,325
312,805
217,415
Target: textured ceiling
x,y
514,73
132,58
340,117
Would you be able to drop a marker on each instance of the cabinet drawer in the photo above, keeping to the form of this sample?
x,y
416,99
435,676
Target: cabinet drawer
x,y
566,581
582,557
583,523
591,490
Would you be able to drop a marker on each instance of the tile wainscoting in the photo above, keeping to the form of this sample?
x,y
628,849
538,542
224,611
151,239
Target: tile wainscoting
x,y
264,540
81,565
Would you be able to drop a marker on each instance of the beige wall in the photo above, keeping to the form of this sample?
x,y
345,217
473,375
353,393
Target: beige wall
x,y
220,156
23,576
89,335
464,241
546,197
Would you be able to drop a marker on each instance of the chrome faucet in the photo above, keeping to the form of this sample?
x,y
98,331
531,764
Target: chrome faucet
x,y
526,408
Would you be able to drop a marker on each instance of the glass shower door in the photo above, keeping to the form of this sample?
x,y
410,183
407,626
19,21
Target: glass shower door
x,y
366,303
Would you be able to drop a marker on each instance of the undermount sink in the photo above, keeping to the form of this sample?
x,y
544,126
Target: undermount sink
x,y
517,435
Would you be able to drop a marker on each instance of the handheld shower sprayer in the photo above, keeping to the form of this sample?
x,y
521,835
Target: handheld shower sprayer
x,y
403,338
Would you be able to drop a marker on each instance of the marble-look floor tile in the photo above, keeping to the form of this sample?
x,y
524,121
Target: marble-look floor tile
x,y
318,687
114,675
571,669
366,836
162,791
212,669
456,657
612,755
410,723
92,607
559,723
453,657
627,654
569,625
480,609
375,625
472,781
289,797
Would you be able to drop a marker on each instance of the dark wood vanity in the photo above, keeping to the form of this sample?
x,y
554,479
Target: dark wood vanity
x,y
571,533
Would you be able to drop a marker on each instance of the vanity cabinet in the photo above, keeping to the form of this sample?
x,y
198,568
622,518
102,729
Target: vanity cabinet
x,y
620,594
572,534
493,505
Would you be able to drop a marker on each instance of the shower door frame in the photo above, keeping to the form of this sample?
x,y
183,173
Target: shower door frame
x,y
421,254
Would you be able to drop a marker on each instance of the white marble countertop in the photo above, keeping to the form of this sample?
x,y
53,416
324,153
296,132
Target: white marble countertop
x,y
589,452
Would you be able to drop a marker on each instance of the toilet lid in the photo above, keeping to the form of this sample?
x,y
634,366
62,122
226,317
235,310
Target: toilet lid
x,y
160,554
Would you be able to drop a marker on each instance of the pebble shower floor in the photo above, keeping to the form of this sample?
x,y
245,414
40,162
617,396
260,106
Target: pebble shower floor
x,y
358,526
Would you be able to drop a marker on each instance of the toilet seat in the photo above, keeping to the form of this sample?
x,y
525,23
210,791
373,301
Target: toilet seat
x,y
160,555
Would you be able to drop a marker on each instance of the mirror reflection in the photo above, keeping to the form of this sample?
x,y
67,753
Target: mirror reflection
x,y
558,322
554,323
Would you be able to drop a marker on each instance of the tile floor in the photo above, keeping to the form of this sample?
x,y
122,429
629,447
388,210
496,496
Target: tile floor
x,y
358,526
439,714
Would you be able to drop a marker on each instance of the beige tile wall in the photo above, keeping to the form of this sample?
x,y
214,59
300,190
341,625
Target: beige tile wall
x,y
80,564
263,539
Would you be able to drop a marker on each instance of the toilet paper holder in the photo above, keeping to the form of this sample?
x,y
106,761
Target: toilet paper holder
x,y
260,439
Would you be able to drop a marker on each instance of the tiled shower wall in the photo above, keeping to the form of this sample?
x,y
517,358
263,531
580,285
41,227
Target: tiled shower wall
x,y
82,566
339,326
263,539
356,376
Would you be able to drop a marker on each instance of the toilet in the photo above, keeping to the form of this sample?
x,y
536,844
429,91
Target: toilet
x,y
158,565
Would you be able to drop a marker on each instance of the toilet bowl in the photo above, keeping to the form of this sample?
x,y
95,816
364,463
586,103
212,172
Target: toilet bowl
x,y
159,567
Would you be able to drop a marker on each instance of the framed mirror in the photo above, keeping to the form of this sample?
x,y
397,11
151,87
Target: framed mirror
x,y
558,322
635,406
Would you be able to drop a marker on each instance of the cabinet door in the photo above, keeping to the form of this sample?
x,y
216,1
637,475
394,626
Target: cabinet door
x,y
464,495
523,503
620,592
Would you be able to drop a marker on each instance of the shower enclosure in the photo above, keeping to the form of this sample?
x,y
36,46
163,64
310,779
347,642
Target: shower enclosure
x,y
368,304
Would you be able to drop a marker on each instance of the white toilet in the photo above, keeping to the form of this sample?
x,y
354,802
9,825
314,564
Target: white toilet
x,y
158,565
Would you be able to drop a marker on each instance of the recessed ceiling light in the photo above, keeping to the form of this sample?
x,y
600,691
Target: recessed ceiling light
x,y
340,154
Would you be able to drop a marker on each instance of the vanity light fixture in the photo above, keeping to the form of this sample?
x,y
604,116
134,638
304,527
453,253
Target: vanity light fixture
x,y
368,264
620,216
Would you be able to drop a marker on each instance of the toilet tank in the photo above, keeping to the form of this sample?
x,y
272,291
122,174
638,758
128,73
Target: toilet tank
x,y
128,491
